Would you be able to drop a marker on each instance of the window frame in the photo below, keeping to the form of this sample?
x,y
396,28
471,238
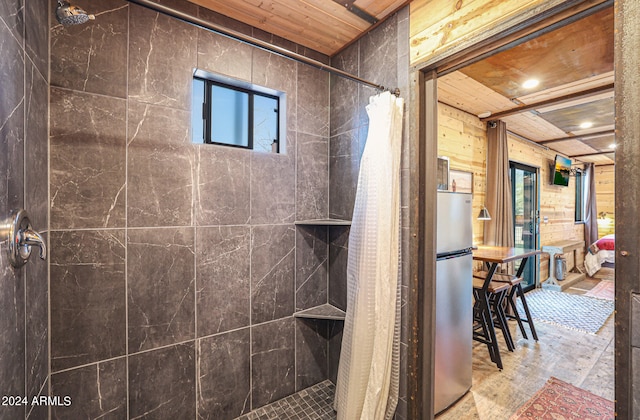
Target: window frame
x,y
579,210
251,90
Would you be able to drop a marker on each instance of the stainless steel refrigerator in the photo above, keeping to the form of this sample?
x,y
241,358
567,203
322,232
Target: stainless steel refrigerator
x,y
454,300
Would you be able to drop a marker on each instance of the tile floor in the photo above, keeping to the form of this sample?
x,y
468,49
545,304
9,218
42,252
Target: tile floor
x,y
313,403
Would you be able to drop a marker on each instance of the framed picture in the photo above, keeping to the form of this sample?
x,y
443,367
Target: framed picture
x,y
460,181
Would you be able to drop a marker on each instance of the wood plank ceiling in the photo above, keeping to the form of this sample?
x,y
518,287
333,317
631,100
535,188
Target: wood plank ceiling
x,y
574,67
326,26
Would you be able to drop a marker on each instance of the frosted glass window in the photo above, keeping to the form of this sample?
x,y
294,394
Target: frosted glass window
x,y
265,123
237,116
197,119
229,116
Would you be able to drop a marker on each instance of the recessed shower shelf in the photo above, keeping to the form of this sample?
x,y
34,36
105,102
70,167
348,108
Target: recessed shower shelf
x,y
326,311
324,222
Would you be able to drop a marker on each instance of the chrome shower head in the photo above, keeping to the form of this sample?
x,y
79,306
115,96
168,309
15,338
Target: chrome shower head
x,y
71,15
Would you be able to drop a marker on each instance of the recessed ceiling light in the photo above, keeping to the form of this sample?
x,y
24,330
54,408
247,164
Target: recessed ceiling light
x,y
586,124
531,83
612,146
485,114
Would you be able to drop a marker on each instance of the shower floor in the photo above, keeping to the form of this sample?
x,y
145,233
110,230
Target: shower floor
x,y
315,402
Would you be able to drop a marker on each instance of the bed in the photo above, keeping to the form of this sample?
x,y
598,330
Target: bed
x,y
601,251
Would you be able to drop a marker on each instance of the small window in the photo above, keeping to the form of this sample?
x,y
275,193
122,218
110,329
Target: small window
x,y
580,196
239,115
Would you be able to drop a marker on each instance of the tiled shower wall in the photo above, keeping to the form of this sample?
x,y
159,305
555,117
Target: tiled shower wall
x,y
176,267
24,74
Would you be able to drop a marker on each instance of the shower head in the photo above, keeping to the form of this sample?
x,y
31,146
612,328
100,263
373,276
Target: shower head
x,y
71,15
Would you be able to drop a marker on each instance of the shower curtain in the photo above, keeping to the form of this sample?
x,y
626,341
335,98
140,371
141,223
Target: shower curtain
x,y
368,373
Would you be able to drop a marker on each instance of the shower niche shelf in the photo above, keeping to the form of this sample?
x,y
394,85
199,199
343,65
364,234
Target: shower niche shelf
x,y
325,311
323,222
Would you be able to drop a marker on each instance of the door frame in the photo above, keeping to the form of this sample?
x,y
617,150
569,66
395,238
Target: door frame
x,y
423,140
536,259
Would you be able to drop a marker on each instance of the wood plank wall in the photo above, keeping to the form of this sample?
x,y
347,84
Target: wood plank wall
x,y
605,199
439,25
462,138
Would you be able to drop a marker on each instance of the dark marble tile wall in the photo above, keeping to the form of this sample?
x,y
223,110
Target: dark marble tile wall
x,y
311,267
380,56
97,390
273,361
12,115
223,279
160,287
87,152
224,375
162,383
24,106
88,309
176,268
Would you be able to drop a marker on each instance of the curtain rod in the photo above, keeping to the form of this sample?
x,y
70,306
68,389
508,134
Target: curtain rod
x,y
238,36
523,138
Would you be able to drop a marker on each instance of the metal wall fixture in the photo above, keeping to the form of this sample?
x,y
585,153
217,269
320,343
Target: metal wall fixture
x,y
21,238
68,14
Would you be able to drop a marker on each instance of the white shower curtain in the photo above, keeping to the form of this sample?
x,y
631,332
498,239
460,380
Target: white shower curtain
x,y
368,374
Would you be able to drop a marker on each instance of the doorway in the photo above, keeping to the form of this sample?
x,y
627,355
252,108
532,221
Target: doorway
x,y
431,88
526,210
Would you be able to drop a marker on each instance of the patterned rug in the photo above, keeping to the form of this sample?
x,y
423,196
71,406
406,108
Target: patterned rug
x,y
559,400
576,312
603,290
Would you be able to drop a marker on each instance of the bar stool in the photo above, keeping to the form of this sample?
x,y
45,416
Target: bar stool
x,y
515,292
497,292
488,312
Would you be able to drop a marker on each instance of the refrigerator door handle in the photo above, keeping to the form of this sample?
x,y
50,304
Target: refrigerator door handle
x,y
454,254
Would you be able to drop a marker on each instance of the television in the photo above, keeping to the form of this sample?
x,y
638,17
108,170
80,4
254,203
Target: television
x,y
562,168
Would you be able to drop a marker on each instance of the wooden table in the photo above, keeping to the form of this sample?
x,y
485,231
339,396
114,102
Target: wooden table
x,y
493,256
562,247
502,254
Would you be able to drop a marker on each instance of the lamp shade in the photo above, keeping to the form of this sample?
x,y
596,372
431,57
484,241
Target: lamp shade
x,y
484,214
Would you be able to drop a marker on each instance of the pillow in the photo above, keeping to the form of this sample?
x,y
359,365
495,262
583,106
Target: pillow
x,y
593,249
607,242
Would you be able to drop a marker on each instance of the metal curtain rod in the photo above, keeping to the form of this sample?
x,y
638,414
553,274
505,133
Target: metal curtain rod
x,y
255,42
523,138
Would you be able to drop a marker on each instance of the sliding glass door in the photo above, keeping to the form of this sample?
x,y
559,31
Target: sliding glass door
x,y
524,185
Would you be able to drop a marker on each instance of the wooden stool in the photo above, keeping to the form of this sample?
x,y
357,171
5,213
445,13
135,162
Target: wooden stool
x,y
488,312
497,292
516,291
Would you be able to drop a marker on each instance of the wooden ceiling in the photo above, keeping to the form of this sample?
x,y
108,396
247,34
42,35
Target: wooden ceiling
x,y
326,26
574,65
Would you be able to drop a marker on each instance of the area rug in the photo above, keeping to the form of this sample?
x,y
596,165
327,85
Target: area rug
x,y
576,312
559,400
603,290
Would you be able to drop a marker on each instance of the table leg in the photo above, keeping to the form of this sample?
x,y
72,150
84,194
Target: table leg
x,y
524,302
